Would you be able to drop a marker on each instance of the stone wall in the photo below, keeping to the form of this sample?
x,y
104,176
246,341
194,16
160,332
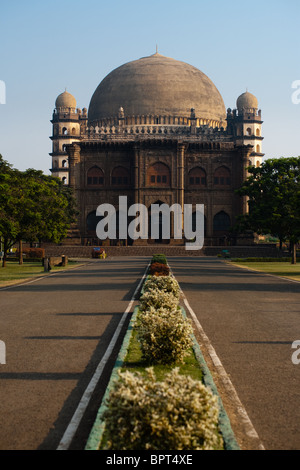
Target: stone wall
x,y
235,251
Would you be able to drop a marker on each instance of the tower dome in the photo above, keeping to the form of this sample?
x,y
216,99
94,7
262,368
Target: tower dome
x,y
157,86
246,101
65,100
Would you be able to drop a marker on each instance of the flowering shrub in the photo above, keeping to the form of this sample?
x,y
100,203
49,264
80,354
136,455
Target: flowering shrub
x,y
163,284
159,259
178,413
156,299
159,269
164,335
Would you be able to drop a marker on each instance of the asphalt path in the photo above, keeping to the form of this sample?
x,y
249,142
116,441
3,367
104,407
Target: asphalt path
x,y
251,320
56,330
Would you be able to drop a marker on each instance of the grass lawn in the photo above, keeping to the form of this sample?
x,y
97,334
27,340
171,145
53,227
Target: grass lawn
x,y
283,269
14,272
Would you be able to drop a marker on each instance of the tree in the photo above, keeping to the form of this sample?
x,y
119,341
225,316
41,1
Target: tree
x,y
33,207
273,192
50,208
10,201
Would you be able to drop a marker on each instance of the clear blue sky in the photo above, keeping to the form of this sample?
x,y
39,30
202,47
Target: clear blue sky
x,y
49,45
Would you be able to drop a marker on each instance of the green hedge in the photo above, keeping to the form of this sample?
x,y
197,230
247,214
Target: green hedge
x,y
25,259
160,258
262,259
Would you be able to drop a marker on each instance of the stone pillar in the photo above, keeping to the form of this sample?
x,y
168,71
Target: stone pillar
x,y
245,150
73,150
136,150
74,160
193,120
210,200
121,121
180,176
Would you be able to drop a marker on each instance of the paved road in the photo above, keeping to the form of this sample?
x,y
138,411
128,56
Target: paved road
x,y
56,331
251,320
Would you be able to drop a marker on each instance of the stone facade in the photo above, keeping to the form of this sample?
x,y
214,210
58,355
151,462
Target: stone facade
x,y
158,159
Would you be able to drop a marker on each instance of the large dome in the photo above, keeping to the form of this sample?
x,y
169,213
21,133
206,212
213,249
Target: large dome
x,y
157,86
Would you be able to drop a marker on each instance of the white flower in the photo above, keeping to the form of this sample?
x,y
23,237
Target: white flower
x,y
161,415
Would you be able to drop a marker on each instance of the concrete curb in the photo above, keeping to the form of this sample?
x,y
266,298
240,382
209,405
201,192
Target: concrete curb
x,y
97,431
230,441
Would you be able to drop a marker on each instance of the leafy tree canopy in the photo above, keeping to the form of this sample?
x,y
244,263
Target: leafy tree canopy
x,y
273,192
33,206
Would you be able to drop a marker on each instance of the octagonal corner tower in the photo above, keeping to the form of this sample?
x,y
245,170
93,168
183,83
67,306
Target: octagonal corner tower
x,y
156,86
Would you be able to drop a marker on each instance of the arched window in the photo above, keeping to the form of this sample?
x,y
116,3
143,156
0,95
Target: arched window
x,y
95,177
158,175
258,132
249,132
221,222
64,163
64,180
258,149
73,131
55,164
64,131
222,177
120,176
197,177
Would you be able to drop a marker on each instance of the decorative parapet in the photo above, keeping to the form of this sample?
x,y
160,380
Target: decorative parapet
x,y
205,133
234,113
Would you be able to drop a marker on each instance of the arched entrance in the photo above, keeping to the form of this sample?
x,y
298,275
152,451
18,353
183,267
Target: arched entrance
x,y
221,227
91,223
221,223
